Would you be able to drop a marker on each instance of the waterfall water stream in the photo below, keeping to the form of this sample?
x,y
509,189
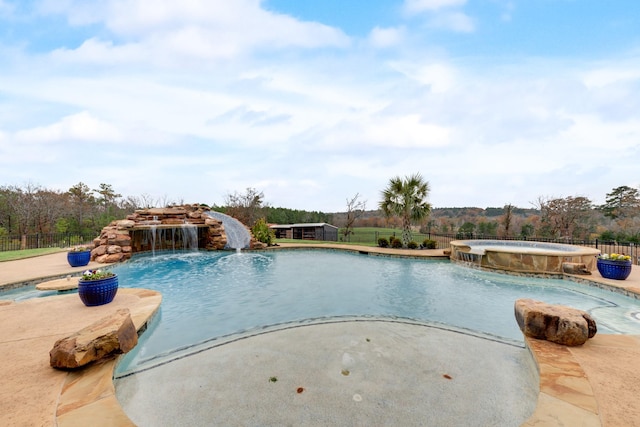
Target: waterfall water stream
x,y
238,236
186,235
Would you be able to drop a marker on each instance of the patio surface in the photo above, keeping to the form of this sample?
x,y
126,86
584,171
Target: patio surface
x,y
596,384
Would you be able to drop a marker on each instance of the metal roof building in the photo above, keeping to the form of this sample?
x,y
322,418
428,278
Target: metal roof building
x,y
308,231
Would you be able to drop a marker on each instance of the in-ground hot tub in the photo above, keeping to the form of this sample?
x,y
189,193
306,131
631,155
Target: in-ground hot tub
x,y
522,256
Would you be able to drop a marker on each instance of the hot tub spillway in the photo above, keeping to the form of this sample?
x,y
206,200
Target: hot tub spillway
x,y
528,257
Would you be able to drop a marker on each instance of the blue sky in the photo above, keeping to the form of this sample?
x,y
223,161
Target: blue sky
x,y
492,101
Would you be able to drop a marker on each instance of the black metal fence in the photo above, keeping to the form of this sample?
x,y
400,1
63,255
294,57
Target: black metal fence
x,y
66,240
605,247
43,240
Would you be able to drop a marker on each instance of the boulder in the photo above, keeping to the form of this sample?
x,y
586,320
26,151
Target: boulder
x,y
114,249
111,335
575,268
555,323
113,258
125,223
98,251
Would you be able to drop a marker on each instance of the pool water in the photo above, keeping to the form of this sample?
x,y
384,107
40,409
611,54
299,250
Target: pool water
x,y
214,294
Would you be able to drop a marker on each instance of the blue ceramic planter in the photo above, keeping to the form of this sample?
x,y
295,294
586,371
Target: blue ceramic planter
x,y
618,270
98,292
78,259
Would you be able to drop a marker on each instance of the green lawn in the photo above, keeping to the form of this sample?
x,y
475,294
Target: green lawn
x,y
27,253
320,242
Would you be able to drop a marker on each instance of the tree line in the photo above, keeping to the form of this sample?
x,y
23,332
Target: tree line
x,y
32,209
569,218
566,218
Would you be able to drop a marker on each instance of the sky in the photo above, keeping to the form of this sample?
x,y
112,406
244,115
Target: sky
x,y
311,102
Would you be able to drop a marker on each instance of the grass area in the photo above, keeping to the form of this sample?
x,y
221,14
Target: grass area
x,y
384,232
321,242
362,236
27,253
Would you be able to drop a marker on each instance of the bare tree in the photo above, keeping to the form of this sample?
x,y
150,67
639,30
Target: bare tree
x,y
23,205
567,218
507,217
50,208
355,209
246,208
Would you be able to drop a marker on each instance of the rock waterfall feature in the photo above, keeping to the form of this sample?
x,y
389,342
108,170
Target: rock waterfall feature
x,y
188,227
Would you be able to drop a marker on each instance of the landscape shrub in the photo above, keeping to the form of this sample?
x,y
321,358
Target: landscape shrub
x,y
395,242
412,245
429,244
262,232
383,242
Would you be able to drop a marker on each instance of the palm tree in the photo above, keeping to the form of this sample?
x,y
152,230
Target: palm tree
x,y
406,198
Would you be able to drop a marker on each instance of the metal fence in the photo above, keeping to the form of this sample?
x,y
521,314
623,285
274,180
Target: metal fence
x,y
66,240
605,247
43,240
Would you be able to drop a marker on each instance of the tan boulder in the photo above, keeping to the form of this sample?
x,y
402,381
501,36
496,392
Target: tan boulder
x,y
173,221
102,259
113,258
98,251
555,323
111,335
121,240
125,223
114,249
575,268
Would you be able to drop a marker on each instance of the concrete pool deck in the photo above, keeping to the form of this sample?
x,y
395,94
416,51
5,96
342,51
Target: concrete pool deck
x,y
595,384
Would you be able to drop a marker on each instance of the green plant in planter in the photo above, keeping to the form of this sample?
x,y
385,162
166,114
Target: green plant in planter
x,y
89,275
79,256
614,266
615,257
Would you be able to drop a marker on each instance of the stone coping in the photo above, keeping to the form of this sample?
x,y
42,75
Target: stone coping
x,y
66,284
33,393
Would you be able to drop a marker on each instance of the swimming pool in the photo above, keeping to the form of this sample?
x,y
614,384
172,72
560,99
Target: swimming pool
x,y
207,295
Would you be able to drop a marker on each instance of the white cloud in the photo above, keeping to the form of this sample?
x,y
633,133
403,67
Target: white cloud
x,y
377,134
418,6
442,14
227,95
440,77
77,127
98,52
604,76
405,132
165,31
386,37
